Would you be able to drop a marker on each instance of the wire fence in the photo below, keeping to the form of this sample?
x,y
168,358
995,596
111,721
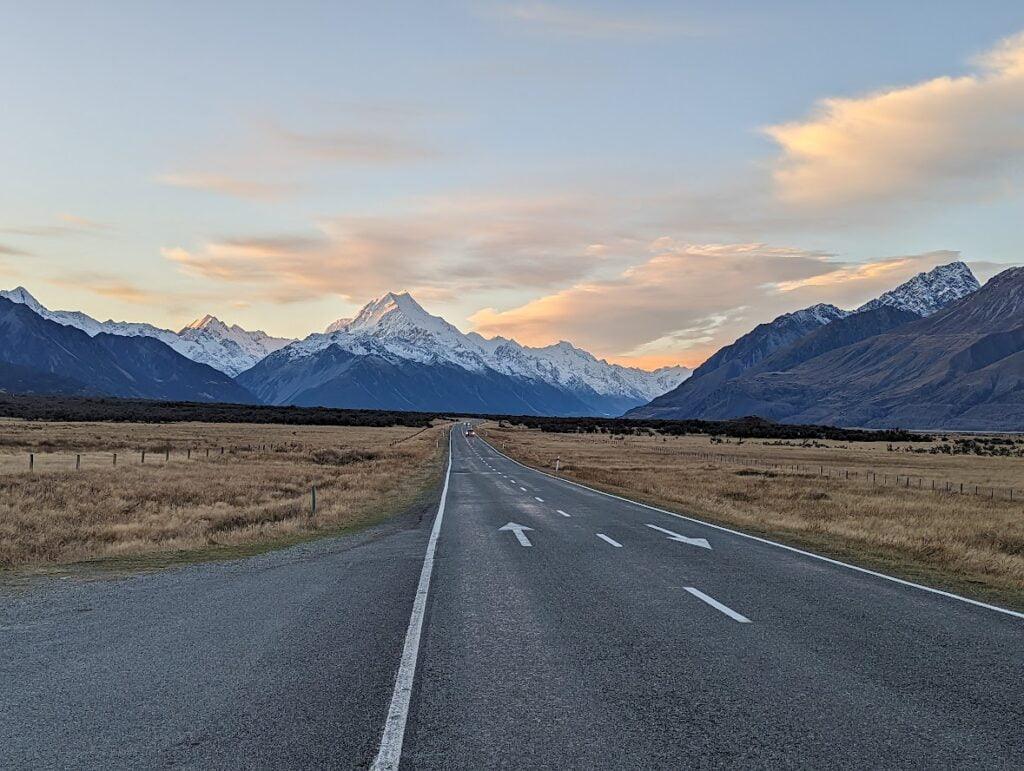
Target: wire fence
x,y
96,459
884,479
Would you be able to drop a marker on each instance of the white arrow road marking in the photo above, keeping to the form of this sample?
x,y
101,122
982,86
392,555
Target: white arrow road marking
x,y
605,538
519,532
563,513
701,542
541,500
717,605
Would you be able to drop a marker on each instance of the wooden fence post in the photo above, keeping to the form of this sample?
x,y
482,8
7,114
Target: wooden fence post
x,y
78,462
143,456
31,461
115,458
312,502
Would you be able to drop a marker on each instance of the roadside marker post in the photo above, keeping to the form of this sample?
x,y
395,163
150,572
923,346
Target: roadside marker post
x,y
312,502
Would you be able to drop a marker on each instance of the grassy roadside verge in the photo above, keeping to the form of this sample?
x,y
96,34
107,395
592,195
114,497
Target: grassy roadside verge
x,y
969,546
147,517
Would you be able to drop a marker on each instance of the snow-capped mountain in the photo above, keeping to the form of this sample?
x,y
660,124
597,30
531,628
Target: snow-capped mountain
x,y
794,338
397,329
928,293
208,340
230,349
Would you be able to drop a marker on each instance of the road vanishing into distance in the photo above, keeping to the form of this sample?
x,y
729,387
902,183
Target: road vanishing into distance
x,y
518,621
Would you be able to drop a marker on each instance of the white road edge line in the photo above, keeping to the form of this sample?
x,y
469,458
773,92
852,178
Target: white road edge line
x,y
717,605
876,574
605,538
563,513
390,753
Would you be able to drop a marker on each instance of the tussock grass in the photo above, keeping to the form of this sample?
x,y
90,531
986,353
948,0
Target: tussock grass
x,y
963,542
257,492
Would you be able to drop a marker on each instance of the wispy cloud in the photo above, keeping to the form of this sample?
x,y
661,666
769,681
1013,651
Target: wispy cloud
x,y
930,138
449,245
688,300
588,23
354,147
10,251
66,225
239,188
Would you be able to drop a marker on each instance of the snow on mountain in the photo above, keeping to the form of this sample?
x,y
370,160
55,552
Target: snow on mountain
x,y
208,340
927,293
397,328
822,313
230,349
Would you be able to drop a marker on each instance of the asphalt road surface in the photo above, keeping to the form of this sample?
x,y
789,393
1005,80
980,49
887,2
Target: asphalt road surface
x,y
531,624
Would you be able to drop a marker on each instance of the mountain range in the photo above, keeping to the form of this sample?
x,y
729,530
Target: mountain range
x,y
208,340
937,352
38,355
392,355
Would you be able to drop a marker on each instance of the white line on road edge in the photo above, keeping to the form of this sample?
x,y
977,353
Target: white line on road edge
x,y
541,500
563,513
717,605
605,538
390,753
758,538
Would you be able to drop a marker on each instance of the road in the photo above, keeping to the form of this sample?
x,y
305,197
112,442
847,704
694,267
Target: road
x,y
550,626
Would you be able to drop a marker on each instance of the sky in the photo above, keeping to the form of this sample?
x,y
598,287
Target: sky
x,y
648,180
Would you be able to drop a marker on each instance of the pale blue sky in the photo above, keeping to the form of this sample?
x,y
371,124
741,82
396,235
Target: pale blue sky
x,y
536,169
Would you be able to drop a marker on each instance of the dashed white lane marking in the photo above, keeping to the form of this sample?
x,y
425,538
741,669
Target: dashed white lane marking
x,y
776,544
563,513
523,489
539,500
717,605
613,542
390,753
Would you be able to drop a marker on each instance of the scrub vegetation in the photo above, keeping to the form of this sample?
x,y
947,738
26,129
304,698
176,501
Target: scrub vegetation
x,y
203,490
833,497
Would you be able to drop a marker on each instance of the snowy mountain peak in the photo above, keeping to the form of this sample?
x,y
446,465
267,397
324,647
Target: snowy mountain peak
x,y
205,322
337,326
929,292
22,296
389,306
207,340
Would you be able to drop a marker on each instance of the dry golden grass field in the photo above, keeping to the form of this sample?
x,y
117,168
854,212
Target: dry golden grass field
x,y
969,543
204,501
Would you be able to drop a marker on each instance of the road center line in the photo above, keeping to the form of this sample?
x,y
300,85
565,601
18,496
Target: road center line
x,y
390,753
540,500
605,538
717,605
523,489
563,513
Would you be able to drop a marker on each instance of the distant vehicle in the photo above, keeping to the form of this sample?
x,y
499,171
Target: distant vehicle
x,y
470,432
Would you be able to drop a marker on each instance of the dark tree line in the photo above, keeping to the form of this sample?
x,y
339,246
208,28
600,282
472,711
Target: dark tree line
x,y
101,409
